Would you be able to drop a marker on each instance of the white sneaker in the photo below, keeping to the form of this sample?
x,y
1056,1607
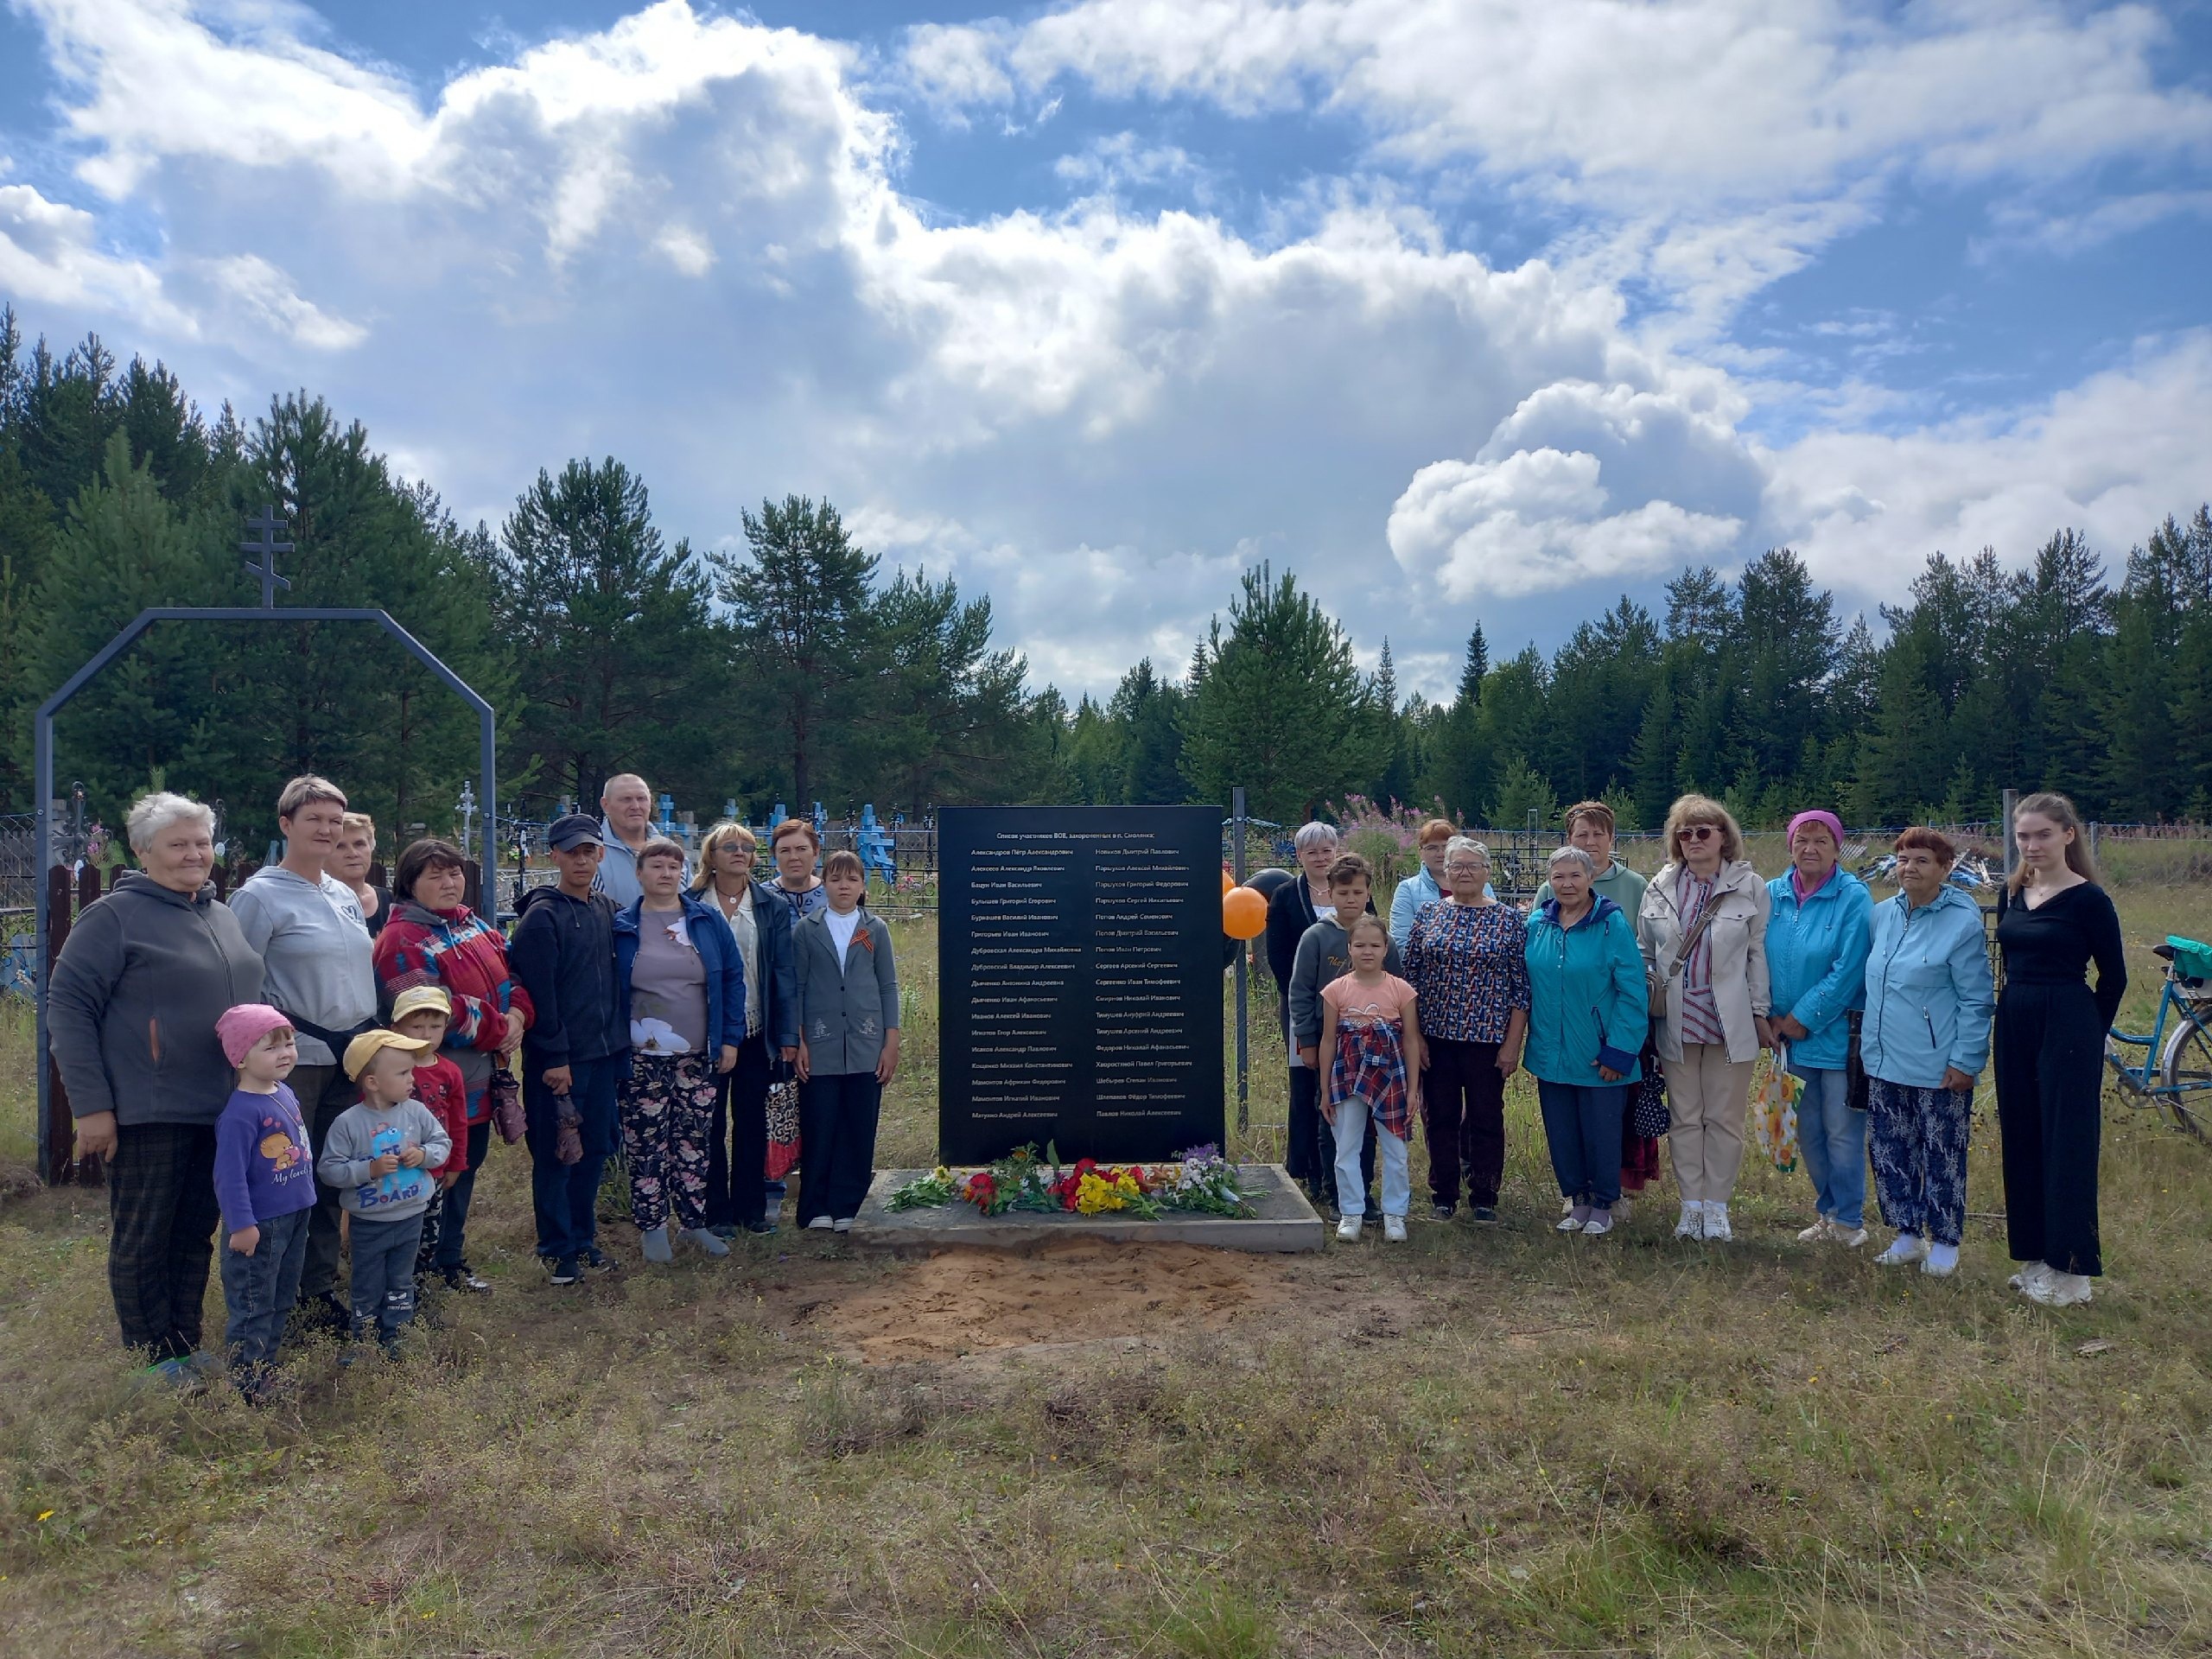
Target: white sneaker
x,y
1850,1237
819,1224
1568,1224
1600,1223
1620,1208
1691,1225
1348,1228
1716,1221
2034,1272
1394,1228
842,1225
1907,1249
1942,1261
2058,1289
1817,1233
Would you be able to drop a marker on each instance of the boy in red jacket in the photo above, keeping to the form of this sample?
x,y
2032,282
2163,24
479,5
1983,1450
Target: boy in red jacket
x,y
424,1012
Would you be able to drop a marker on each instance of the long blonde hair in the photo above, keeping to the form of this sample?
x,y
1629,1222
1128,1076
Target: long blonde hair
x,y
2060,811
1703,808
728,829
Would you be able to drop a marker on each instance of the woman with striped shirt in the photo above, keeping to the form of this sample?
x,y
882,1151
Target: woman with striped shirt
x,y
1702,926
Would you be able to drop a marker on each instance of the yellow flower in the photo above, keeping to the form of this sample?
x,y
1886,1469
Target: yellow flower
x,y
46,1515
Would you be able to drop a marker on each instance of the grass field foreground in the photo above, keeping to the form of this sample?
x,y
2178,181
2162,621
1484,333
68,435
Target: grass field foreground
x,y
1486,1442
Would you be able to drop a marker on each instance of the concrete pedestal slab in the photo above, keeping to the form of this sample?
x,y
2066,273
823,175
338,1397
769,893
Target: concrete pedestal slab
x,y
1282,1220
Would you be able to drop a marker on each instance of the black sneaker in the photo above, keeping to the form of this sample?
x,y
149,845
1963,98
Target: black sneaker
x,y
760,1226
1442,1211
725,1232
598,1260
567,1271
1485,1213
464,1277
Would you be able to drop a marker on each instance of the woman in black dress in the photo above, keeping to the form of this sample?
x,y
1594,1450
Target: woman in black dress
x,y
2052,922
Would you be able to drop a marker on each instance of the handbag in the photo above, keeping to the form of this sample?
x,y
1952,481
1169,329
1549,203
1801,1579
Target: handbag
x,y
1656,985
1651,1114
783,1123
505,1095
1855,1091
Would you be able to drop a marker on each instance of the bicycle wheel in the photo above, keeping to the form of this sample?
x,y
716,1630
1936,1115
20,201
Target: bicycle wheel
x,y
2187,1066
2123,1057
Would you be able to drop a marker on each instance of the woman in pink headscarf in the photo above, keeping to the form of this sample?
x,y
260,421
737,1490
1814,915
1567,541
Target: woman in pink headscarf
x,y
1816,943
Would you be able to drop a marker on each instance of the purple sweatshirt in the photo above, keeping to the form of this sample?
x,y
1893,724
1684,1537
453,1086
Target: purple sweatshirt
x,y
264,1168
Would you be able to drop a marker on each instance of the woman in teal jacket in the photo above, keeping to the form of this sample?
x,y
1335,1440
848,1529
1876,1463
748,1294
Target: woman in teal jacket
x,y
1588,1011
1928,999
1816,939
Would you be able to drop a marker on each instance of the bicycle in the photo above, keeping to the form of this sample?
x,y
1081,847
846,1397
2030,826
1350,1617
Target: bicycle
x,y
2181,1087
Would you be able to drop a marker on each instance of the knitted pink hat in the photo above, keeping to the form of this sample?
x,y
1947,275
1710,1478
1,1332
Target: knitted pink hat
x,y
1833,823
241,1027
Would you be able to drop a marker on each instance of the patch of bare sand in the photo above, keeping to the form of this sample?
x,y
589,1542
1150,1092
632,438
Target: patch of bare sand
x,y
958,1302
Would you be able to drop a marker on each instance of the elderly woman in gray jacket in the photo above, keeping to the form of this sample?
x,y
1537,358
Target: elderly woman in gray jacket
x,y
1702,926
848,1044
131,1007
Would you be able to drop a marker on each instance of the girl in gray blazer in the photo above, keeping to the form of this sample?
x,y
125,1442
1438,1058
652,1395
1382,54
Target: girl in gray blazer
x,y
848,1044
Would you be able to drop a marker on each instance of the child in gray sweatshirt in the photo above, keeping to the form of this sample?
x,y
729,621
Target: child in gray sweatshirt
x,y
379,1154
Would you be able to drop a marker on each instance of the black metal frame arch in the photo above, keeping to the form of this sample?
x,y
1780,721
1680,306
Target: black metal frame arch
x,y
487,725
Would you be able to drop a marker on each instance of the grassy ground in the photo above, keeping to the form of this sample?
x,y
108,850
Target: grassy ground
x,y
1486,1442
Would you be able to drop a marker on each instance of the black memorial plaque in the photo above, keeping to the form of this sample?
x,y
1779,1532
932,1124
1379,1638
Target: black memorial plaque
x,y
1080,975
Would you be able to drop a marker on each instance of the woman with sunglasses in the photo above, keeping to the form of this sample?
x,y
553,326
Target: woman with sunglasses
x,y
1702,926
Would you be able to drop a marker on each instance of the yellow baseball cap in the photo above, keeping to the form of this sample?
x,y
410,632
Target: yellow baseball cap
x,y
416,998
363,1049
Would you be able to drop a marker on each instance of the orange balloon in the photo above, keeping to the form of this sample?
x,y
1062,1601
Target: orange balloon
x,y
1243,913
1227,882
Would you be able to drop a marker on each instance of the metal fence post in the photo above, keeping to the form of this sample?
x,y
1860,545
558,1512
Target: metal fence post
x,y
2012,846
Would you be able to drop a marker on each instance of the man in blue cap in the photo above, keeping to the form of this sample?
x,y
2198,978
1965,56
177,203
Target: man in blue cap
x,y
563,953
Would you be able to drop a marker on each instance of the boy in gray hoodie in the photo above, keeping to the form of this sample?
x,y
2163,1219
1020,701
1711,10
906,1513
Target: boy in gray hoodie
x,y
379,1154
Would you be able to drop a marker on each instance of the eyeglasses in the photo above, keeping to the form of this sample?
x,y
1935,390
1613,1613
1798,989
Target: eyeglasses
x,y
1699,832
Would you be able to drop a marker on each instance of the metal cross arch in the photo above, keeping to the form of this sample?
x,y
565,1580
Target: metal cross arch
x,y
266,524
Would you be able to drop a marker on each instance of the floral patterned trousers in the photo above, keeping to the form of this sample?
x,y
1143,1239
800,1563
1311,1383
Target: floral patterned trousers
x,y
1918,1139
668,1123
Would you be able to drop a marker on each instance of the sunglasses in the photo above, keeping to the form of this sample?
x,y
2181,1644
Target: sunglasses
x,y
1699,832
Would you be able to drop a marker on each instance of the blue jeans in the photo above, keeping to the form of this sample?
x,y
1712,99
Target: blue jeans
x,y
259,1291
382,1288
566,1196
1833,1137
1355,1135
453,1220
1582,1127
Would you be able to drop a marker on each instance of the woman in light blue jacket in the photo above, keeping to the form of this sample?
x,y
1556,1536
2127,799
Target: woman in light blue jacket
x,y
1928,1000
1816,940
1588,1014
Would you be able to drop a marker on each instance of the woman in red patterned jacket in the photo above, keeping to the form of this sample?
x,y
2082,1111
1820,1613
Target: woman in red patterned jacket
x,y
434,939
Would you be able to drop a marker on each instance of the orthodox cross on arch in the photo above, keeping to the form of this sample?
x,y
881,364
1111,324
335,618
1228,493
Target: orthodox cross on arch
x,y
265,524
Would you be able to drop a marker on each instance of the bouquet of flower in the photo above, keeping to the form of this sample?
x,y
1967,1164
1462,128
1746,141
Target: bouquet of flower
x,y
1201,1180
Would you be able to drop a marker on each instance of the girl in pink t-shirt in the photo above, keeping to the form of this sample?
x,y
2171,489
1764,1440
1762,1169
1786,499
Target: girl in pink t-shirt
x,y
1368,1030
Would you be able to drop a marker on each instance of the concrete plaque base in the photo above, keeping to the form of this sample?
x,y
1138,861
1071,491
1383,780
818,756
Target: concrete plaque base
x,y
1282,1220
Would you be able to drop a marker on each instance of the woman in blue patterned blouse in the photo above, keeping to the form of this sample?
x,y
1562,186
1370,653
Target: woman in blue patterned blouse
x,y
1465,958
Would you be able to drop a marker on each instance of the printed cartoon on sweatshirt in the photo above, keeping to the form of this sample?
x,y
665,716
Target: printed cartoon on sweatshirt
x,y
403,1186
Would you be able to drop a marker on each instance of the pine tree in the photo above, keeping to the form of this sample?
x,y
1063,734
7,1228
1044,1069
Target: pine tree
x,y
610,626
1278,706
1145,710
800,597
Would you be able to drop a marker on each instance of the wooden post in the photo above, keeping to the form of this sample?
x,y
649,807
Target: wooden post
x,y
472,892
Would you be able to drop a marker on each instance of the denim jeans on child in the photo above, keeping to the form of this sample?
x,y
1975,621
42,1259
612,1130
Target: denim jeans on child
x,y
260,1290
384,1275
453,1223
1833,1137
1582,1127
1352,1136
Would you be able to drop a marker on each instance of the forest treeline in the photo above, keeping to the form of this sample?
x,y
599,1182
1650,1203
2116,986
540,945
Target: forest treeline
x,y
789,666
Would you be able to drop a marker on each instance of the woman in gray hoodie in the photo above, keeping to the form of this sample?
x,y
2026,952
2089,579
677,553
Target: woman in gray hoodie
x,y
131,1007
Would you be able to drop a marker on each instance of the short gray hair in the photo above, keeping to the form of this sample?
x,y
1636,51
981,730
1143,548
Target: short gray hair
x,y
1460,845
1312,834
151,814
303,792
1589,865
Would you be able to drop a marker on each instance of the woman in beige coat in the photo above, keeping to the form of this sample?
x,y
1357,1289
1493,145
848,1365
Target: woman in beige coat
x,y
1702,926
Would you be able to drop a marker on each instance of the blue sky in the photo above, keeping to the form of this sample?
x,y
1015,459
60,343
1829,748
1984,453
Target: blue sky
x,y
1463,309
